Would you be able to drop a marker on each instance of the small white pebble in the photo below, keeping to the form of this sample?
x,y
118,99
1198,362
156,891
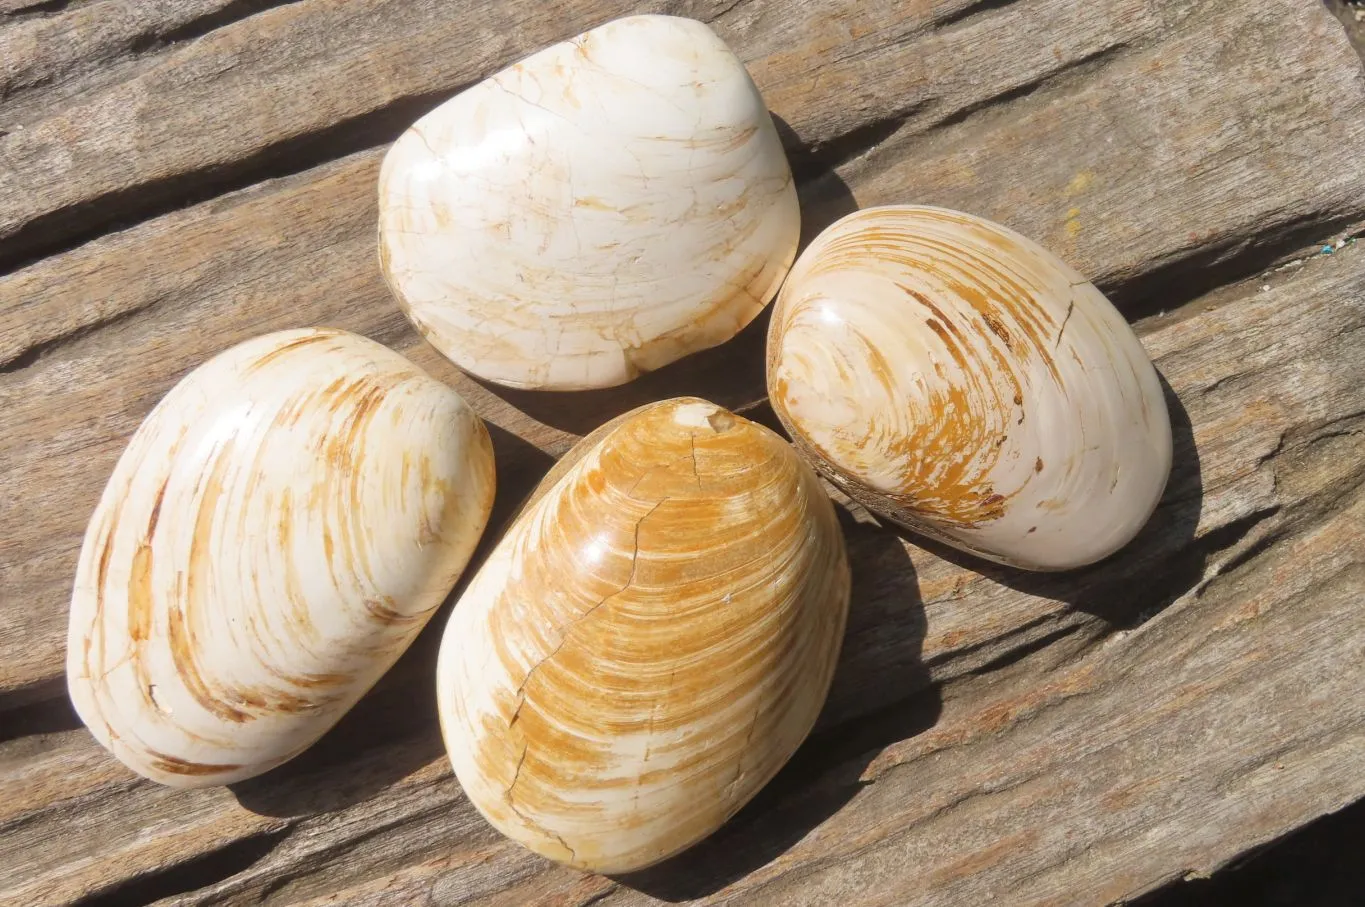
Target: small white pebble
x,y
1265,288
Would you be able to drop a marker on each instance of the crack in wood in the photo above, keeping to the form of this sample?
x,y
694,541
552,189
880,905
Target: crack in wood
x,y
1068,71
971,11
65,229
42,9
231,13
28,355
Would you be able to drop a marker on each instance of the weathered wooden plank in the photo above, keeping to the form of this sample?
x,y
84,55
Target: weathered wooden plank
x,y
998,665
1270,382
199,117
47,58
819,119
347,75
164,296
1163,174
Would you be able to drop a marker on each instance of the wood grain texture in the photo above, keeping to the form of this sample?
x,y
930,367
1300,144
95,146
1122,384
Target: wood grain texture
x,y
1079,738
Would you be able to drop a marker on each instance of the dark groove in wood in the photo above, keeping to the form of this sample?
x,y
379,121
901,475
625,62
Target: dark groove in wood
x,y
1221,261
35,352
1317,866
45,690
972,11
38,10
1080,65
197,28
811,162
68,228
191,875
46,716
1014,656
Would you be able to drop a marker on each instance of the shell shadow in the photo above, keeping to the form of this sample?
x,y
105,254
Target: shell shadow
x,y
730,375
393,730
1144,577
886,623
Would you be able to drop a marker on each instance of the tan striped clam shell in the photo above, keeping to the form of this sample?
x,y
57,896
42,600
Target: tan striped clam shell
x,y
600,209
650,641
961,380
277,532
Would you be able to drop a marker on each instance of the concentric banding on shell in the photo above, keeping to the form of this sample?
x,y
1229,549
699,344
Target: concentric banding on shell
x,y
277,532
962,380
649,642
600,209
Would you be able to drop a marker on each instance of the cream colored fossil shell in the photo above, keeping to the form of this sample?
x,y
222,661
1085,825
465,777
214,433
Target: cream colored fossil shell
x,y
600,209
963,381
649,642
278,530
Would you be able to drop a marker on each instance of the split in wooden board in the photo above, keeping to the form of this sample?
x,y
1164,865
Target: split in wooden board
x,y
1161,147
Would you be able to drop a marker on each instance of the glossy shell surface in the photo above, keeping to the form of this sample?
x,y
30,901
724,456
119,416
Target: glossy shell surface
x,y
278,530
960,379
649,642
598,210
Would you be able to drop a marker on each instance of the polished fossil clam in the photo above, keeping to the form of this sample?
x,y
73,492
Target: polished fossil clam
x,y
278,530
960,379
649,642
600,209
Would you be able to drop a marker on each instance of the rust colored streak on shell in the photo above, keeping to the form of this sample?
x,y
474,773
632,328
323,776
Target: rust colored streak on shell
x,y
184,641
352,460
286,348
280,701
297,613
730,143
105,552
156,509
955,495
101,578
102,574
428,533
183,644
140,617
174,766
929,304
319,681
140,595
382,610
975,278
998,329
939,329
879,366
300,618
593,204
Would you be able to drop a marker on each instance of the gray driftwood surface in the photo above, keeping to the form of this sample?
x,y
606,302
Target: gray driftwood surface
x,y
179,175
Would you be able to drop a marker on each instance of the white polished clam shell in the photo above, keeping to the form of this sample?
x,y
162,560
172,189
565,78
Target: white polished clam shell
x,y
600,209
965,382
649,642
276,533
